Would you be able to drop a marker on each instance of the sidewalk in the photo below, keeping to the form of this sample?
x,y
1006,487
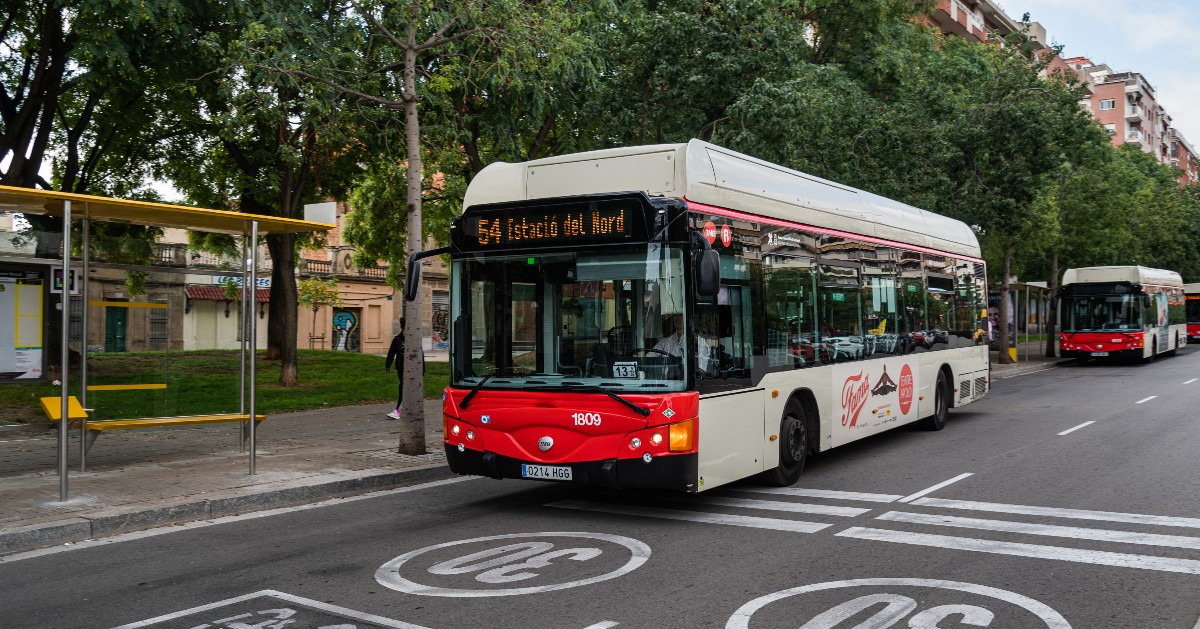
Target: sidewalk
x,y
139,479
1030,357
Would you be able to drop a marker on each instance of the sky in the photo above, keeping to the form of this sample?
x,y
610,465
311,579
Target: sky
x,y
1156,38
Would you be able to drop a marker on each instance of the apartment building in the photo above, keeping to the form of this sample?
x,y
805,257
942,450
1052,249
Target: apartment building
x,y
973,20
1183,157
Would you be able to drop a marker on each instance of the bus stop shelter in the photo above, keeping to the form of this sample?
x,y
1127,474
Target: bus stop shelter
x,y
82,211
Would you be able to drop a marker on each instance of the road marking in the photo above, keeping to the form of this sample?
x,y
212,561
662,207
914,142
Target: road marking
x,y
172,528
936,487
1076,514
793,507
1146,399
326,607
1071,430
497,570
1097,557
1047,530
823,493
1026,373
603,625
795,526
1189,382
1052,619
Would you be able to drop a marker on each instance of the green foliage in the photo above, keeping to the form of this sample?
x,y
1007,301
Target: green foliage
x,y
314,293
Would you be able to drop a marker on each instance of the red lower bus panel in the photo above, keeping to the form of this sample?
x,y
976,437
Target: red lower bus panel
x,y
1087,344
1193,332
589,437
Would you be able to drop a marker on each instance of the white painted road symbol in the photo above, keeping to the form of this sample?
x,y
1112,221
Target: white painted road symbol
x,y
888,604
542,562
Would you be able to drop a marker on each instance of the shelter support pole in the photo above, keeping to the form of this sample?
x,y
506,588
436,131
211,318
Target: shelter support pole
x,y
252,335
242,326
83,338
65,352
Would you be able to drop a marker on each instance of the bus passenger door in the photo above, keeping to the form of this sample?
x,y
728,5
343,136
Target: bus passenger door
x,y
731,437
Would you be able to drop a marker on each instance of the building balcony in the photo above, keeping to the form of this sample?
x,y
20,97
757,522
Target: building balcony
x,y
1133,136
1133,113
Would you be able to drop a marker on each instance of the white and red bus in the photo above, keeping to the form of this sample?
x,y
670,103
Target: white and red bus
x,y
1191,298
682,316
1121,311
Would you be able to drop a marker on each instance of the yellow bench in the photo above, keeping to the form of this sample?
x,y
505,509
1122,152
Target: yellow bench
x,y
52,406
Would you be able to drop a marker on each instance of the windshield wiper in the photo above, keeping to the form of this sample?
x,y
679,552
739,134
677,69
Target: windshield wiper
x,y
479,385
470,394
641,410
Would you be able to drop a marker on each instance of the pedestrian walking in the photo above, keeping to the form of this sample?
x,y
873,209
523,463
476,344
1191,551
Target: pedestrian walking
x,y
396,354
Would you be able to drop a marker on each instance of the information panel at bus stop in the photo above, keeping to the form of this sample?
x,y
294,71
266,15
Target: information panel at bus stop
x,y
21,294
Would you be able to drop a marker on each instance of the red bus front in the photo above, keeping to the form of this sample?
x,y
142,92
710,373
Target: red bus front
x,y
1192,301
1101,344
583,438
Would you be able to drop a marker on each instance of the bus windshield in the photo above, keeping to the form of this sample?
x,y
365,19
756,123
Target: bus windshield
x,y
1193,308
561,320
1094,313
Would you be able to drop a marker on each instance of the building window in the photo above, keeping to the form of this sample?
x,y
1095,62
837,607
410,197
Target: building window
x,y
1111,129
1108,103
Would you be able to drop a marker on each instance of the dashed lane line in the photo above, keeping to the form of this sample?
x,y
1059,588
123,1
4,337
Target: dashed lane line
x,y
1144,400
795,526
1036,551
823,493
936,487
791,507
1076,514
1071,430
1046,530
1189,382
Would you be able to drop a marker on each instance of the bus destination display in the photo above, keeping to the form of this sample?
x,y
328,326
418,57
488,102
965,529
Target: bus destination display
x,y
552,226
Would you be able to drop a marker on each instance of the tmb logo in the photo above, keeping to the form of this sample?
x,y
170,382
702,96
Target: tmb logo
x,y
710,232
855,391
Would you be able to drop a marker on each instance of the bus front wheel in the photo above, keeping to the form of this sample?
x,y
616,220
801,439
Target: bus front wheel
x,y
941,404
793,446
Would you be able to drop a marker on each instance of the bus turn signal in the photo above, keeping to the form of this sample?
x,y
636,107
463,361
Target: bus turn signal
x,y
683,436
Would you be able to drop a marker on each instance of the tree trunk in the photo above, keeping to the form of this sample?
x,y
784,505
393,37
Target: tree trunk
x,y
412,416
1051,326
1005,359
284,307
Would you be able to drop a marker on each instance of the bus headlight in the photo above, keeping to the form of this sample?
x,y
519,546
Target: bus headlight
x,y
635,443
656,438
471,435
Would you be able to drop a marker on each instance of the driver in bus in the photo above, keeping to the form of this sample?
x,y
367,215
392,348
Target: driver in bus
x,y
674,344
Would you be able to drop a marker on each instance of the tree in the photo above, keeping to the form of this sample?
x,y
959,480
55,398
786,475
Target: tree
x,y
316,293
266,142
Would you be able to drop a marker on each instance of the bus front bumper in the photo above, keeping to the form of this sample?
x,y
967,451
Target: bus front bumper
x,y
675,472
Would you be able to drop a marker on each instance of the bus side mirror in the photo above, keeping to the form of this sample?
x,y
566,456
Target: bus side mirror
x,y
708,273
412,279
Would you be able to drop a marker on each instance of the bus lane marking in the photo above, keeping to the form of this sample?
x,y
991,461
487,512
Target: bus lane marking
x,y
973,604
936,487
1145,399
296,611
776,524
1047,530
509,559
1071,430
1075,514
1036,551
823,493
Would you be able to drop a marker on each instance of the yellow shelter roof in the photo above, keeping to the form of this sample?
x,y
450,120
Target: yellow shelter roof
x,y
31,201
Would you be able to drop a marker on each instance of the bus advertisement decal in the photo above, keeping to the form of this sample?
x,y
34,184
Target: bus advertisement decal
x,y
872,396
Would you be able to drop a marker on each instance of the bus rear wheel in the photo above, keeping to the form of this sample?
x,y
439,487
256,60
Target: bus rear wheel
x,y
941,404
793,447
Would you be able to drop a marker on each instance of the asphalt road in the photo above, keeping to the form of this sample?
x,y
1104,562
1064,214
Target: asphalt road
x,y
1066,498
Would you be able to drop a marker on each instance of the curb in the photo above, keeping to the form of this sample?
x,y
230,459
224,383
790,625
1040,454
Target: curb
x,y
76,529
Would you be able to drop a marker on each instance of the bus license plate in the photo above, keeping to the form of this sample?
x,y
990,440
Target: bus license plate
x,y
1099,353
549,472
